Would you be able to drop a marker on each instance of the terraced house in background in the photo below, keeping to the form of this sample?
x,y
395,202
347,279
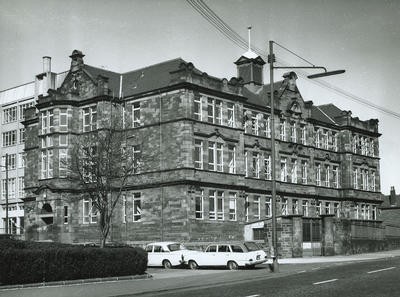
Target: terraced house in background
x,y
205,152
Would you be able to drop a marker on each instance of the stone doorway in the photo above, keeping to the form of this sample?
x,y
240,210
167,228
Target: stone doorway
x,y
312,235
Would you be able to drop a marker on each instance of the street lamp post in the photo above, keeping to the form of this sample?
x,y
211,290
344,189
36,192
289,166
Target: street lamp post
x,y
271,60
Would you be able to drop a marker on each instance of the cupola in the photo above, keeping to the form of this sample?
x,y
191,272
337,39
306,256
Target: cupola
x,y
250,66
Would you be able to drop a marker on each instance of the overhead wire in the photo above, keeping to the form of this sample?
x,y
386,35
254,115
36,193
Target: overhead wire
x,y
210,16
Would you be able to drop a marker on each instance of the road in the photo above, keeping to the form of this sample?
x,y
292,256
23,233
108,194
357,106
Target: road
x,y
378,278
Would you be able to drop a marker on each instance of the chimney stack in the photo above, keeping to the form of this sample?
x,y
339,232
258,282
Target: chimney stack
x,y
46,64
392,197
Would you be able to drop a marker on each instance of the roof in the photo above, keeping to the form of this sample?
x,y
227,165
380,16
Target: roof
x,y
113,77
151,77
261,96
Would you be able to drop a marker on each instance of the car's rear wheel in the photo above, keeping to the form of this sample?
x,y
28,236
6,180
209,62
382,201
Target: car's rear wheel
x,y
167,264
232,265
193,265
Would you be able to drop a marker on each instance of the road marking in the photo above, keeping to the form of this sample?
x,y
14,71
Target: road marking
x,y
315,268
253,295
301,271
327,281
381,270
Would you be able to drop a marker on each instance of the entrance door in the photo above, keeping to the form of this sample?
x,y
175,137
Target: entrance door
x,y
311,237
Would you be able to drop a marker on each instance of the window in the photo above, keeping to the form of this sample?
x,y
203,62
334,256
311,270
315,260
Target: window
x,y
136,114
362,144
318,137
9,138
236,249
211,249
364,179
305,207
63,140
199,206
198,108
327,175
355,144
255,125
327,207
256,165
63,119
267,167
335,176
223,249
304,172
232,206
303,135
22,109
232,158
63,162
10,160
216,205
231,115
89,118
137,207
334,142
246,208
11,188
137,155
21,135
89,212
268,207
198,153
47,163
373,185
246,169
21,187
293,132
47,121
124,209
355,178
318,207
373,213
284,206
215,156
325,139
372,148
9,115
294,172
47,141
21,160
336,209
282,130
268,127
256,207
220,205
65,214
214,109
211,204
283,170
295,206
318,175
357,211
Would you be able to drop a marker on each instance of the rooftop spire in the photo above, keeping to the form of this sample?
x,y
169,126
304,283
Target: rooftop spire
x,y
250,54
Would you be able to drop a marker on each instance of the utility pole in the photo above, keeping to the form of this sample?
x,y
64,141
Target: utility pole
x,y
271,60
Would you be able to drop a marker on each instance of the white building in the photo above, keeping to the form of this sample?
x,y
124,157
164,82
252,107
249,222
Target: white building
x,y
13,103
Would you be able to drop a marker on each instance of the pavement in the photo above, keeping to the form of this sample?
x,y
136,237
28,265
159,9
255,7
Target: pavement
x,y
330,259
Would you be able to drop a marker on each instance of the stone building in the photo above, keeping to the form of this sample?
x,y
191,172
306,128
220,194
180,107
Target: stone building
x,y
206,159
14,101
390,215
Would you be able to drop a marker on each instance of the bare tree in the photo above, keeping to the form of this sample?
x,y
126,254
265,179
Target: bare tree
x,y
101,161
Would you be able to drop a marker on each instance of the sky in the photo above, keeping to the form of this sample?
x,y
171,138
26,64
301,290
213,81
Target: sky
x,y
360,36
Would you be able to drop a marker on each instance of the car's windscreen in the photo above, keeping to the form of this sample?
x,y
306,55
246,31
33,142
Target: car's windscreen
x,y
176,247
252,246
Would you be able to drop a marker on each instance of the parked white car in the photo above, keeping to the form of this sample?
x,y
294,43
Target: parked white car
x,y
167,254
232,255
